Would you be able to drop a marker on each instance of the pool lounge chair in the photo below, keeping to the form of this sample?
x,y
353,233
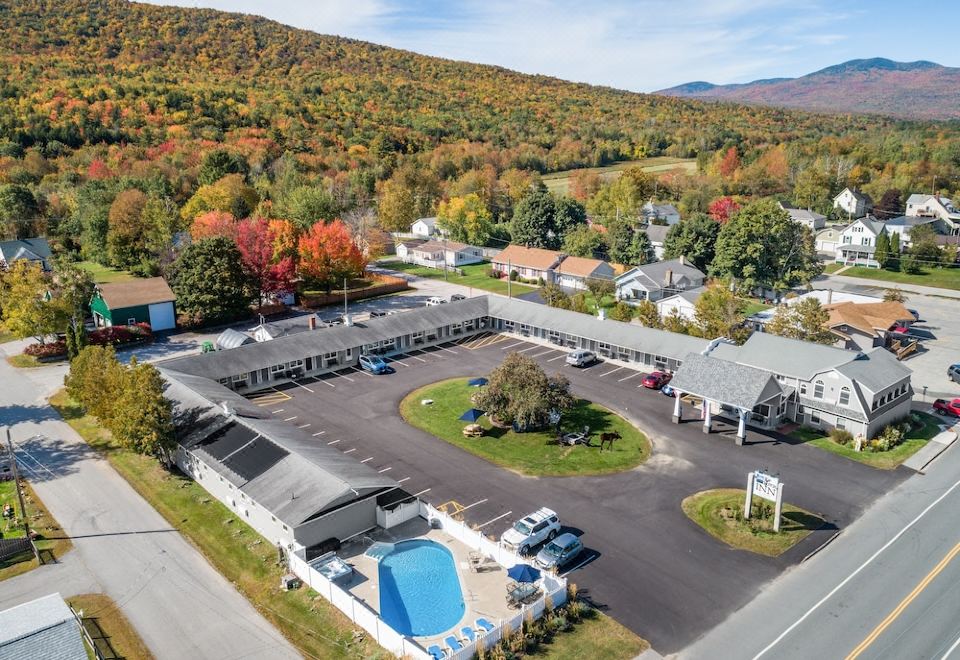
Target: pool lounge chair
x,y
452,643
483,625
469,634
436,652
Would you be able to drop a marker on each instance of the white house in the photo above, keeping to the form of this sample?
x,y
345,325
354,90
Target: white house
x,y
658,280
935,206
425,227
858,242
904,225
828,239
529,263
663,213
437,254
405,248
853,202
683,304
809,219
657,235
36,250
575,272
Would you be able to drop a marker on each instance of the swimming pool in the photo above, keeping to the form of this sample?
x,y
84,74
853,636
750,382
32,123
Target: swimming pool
x,y
419,588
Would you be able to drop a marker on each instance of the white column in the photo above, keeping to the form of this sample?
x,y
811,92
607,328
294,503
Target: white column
x,y
676,407
706,416
748,502
742,427
778,509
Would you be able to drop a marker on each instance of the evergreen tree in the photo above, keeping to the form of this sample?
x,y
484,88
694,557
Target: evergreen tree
x,y
533,221
144,419
882,252
695,238
895,253
210,283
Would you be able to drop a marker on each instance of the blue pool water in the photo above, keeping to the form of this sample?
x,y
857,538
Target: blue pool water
x,y
419,589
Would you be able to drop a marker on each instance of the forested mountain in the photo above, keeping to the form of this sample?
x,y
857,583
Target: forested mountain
x,y
918,90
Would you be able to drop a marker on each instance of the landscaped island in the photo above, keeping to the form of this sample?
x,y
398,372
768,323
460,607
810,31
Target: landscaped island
x,y
532,453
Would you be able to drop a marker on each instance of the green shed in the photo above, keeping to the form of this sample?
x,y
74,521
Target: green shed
x,y
135,301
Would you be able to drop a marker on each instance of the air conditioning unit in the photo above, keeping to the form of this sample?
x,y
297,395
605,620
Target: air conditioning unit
x,y
289,582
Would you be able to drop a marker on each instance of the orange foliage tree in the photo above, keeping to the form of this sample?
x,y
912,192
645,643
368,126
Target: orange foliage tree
x,y
328,254
213,224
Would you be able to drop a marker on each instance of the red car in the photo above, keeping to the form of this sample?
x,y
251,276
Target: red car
x,y
656,380
944,407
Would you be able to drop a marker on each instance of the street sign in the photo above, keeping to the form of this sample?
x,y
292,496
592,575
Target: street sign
x,y
765,486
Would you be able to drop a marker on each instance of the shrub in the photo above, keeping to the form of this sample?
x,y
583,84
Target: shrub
x,y
891,436
841,436
51,349
514,276
116,335
541,281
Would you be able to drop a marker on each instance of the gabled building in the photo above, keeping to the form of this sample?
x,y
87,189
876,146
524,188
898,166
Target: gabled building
x,y
657,235
828,239
35,250
424,227
405,248
658,280
853,202
529,263
575,272
935,206
809,219
862,326
45,628
858,243
905,224
660,213
437,254
684,304
147,300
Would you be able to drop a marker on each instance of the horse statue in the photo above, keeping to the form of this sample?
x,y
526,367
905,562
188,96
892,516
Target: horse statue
x,y
608,438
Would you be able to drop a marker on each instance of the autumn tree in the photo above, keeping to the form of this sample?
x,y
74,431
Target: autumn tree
x,y
719,312
214,224
210,283
694,237
266,273
18,211
622,312
894,295
729,163
230,195
889,205
721,209
554,296
143,420
328,254
584,184
583,241
96,382
812,189
600,288
397,208
127,234
306,205
219,163
805,320
466,219
520,393
645,311
28,308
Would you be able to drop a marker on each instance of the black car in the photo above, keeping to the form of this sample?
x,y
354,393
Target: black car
x,y
333,320
375,314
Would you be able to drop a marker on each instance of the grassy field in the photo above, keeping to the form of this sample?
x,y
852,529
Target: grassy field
x,y
528,453
595,636
832,268
559,182
884,460
716,511
753,306
474,275
104,274
242,556
123,637
944,278
41,522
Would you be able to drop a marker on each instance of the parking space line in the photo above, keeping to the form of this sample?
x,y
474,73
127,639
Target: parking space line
x,y
414,357
529,348
362,372
612,371
581,564
303,426
546,352
402,364
447,350
400,481
493,520
633,375
470,506
333,442
425,490
290,419
303,386
350,450
278,410
318,433
339,375
367,460
386,469
507,348
326,382
562,355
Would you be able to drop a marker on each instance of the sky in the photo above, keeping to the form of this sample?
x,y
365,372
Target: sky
x,y
639,45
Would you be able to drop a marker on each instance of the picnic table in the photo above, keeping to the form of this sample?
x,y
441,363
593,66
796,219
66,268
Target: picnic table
x,y
521,594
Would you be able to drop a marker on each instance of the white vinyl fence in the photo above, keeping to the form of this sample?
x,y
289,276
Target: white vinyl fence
x,y
554,588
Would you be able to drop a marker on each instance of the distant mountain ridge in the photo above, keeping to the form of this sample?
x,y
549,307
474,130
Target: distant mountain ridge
x,y
912,90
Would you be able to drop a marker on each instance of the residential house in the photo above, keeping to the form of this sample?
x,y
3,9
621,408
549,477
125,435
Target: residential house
x,y
425,227
828,239
443,253
937,207
657,235
404,248
809,219
658,280
682,304
853,202
904,224
30,249
135,301
858,242
42,628
825,297
861,326
664,214
575,272
529,263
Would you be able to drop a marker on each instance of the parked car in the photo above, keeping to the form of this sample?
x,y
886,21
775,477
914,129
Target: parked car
x,y
559,552
953,373
435,300
532,530
656,380
375,314
457,296
944,407
667,391
331,321
374,364
581,358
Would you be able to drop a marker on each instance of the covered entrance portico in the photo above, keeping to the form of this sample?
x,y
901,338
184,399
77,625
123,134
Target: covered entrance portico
x,y
753,395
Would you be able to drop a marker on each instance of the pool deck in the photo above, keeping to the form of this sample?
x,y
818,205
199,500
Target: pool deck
x,y
484,593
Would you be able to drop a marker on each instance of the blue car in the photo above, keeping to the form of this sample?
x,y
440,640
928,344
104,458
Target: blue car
x,y
374,364
667,390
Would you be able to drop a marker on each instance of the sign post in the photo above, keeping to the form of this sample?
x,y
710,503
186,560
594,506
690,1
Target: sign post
x,y
768,487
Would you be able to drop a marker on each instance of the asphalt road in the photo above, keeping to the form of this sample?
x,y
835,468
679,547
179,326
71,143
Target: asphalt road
x,y
886,588
179,604
651,568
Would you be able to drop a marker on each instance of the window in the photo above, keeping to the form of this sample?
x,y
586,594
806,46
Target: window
x,y
818,390
814,416
844,396
131,321
803,388
240,379
277,368
841,423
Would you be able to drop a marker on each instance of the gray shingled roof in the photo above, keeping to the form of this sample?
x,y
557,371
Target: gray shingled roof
x,y
42,628
655,274
910,221
876,369
787,357
718,380
657,233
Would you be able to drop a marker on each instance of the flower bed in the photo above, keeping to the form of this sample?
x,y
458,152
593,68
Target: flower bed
x,y
53,349
118,335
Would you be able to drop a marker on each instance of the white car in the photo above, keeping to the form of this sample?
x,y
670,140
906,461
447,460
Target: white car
x,y
530,531
435,300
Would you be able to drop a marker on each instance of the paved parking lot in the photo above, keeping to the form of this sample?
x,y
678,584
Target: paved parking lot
x,y
647,565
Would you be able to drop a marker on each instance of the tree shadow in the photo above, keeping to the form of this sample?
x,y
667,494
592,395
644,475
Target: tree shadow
x,y
41,458
17,414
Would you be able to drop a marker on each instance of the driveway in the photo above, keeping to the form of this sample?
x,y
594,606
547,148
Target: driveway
x,y
181,606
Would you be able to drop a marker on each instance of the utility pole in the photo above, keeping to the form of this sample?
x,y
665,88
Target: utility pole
x,y
23,507
509,280
444,256
344,299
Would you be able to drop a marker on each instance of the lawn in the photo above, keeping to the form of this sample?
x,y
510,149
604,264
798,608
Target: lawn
x,y
559,182
247,560
104,274
597,636
41,522
832,268
533,453
945,278
928,427
719,513
6,335
112,623
24,361
754,305
474,275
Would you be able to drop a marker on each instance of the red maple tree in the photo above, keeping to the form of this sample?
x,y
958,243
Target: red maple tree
x,y
269,275
328,254
730,163
214,224
721,209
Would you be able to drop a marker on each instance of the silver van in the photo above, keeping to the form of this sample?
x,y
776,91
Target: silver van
x,y
581,358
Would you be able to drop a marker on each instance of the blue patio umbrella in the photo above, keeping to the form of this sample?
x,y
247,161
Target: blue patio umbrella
x,y
523,573
472,415
477,382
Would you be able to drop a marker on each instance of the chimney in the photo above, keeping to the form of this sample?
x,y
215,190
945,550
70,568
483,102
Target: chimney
x,y
312,321
669,277
829,296
683,260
